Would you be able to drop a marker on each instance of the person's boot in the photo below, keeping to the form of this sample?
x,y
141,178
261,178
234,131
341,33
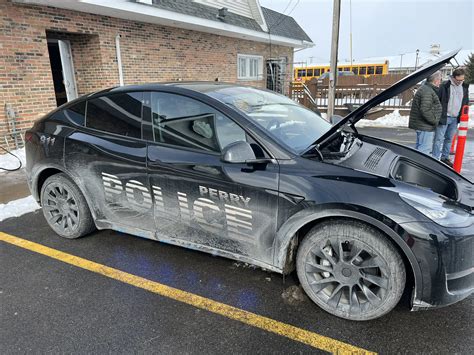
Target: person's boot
x,y
447,162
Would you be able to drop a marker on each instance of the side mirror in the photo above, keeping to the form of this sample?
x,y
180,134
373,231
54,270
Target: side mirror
x,y
336,119
241,153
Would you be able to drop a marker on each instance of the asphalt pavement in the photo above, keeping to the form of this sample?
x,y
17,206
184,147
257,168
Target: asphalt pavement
x,y
53,302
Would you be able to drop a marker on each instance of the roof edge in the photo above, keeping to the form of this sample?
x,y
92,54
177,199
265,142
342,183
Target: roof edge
x,y
142,12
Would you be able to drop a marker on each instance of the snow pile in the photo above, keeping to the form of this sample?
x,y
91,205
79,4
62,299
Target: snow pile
x,y
18,207
393,119
8,161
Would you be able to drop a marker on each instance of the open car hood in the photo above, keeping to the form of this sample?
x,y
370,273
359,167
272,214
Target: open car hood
x,y
395,89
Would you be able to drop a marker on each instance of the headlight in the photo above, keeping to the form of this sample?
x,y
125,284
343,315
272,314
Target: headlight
x,y
438,210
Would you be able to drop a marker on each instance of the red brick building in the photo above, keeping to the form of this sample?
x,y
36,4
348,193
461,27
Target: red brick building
x,y
53,51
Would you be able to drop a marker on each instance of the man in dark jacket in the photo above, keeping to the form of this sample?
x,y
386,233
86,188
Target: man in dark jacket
x,y
453,94
425,113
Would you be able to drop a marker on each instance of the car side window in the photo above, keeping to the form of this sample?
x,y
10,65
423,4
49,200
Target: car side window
x,y
120,114
75,113
185,122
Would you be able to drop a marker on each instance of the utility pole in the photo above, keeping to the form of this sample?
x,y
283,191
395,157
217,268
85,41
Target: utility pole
x,y
401,59
350,27
334,48
416,60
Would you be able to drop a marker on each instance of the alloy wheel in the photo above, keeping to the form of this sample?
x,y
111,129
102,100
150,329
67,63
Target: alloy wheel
x,y
347,275
61,208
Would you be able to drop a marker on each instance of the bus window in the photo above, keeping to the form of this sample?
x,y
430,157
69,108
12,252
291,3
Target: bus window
x,y
301,73
355,70
309,72
370,70
362,70
347,69
378,69
317,72
322,71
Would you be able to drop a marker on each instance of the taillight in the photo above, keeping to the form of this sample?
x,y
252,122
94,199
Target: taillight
x,y
28,136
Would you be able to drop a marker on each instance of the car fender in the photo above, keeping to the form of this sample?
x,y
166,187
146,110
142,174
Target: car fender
x,y
35,182
287,234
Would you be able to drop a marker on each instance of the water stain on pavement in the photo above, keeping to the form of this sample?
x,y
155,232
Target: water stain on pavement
x,y
13,186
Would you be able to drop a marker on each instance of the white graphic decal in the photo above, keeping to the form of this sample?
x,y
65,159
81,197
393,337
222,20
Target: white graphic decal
x,y
205,210
138,195
211,223
159,205
112,186
183,206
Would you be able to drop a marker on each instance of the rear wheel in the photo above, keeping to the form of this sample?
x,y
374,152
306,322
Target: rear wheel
x,y
65,208
350,270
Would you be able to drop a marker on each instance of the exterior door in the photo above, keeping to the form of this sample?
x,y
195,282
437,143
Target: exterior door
x,y
68,69
198,198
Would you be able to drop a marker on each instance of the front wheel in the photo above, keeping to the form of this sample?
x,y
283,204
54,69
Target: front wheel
x,y
65,208
350,270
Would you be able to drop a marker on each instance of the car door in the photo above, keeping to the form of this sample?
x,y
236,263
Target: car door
x,y
199,200
108,158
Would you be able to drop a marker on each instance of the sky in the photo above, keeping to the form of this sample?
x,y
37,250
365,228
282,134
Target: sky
x,y
381,27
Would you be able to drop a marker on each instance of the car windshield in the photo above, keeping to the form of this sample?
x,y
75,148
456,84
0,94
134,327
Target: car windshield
x,y
288,122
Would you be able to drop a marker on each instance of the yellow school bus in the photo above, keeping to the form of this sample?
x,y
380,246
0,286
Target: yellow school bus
x,y
365,69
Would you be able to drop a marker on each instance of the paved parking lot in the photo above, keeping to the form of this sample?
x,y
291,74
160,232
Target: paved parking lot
x,y
111,292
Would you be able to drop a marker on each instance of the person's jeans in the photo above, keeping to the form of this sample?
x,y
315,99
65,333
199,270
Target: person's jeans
x,y
424,141
444,137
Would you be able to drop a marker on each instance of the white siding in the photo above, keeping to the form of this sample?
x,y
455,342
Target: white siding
x,y
239,7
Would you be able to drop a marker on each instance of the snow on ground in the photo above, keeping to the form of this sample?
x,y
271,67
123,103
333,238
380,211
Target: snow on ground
x,y
8,161
394,119
18,207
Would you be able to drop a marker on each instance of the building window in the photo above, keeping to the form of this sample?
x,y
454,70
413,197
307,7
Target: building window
x,y
249,67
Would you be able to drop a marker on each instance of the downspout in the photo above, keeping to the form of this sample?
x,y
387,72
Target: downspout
x,y
119,58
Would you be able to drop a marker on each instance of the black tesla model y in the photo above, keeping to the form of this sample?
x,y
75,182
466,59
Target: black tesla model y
x,y
250,175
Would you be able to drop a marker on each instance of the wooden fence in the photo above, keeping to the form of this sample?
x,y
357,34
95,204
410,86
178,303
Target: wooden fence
x,y
351,91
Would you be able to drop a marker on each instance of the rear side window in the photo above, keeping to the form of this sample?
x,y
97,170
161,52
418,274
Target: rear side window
x,y
120,114
75,113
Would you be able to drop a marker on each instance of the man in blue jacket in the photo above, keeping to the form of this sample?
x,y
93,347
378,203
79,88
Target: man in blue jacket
x,y
453,95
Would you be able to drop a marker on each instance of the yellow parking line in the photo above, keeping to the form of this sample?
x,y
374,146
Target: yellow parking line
x,y
268,324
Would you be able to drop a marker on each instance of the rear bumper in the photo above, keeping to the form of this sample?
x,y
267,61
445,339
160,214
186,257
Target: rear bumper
x,y
446,260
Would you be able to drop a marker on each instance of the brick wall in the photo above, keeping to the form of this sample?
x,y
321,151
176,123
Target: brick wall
x,y
150,53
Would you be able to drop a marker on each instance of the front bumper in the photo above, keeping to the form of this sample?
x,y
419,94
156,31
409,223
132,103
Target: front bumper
x,y
445,258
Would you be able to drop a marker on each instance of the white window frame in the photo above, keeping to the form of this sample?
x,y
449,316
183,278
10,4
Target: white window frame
x,y
246,72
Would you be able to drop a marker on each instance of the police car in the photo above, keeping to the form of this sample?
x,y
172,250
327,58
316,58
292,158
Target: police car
x,y
250,175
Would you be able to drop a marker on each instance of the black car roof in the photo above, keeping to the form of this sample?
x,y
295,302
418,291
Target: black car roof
x,y
199,86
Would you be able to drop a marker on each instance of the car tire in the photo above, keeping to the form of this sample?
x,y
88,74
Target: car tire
x,y
65,207
366,283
